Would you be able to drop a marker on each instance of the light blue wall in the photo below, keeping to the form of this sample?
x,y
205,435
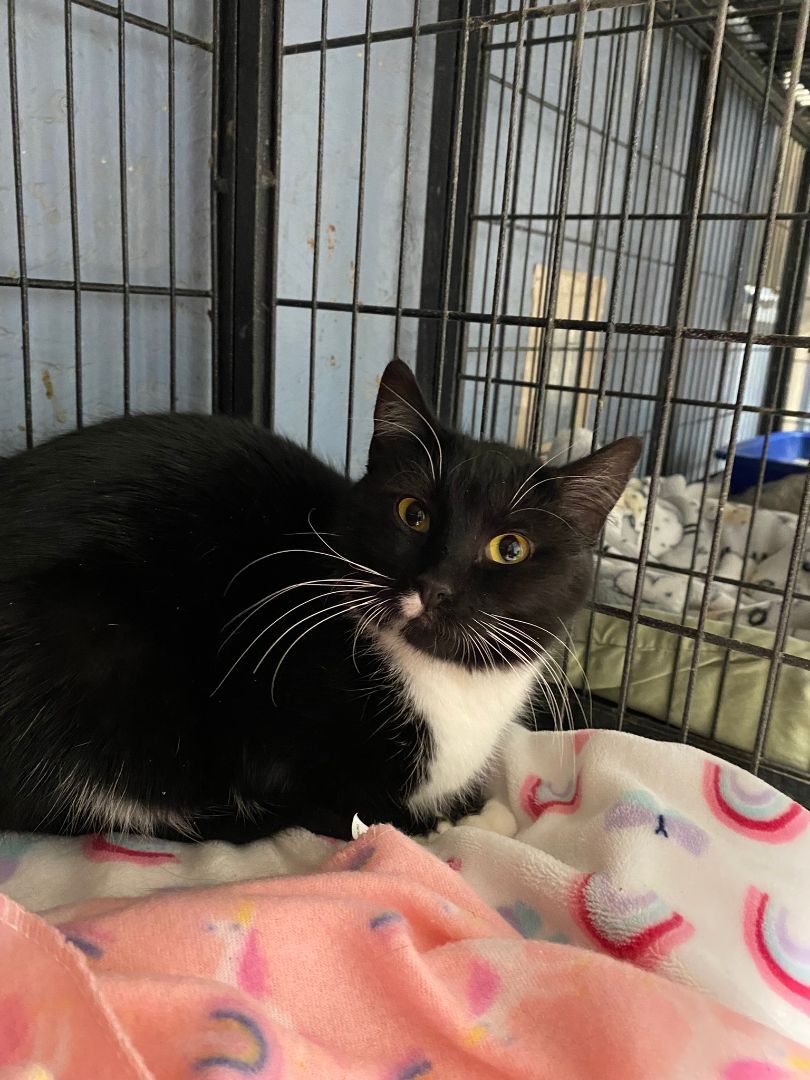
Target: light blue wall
x,y
46,201
645,290
384,184
633,362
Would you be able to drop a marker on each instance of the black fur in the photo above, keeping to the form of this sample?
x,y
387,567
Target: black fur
x,y
117,548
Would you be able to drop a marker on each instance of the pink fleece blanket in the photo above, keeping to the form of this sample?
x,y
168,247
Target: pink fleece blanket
x,y
386,965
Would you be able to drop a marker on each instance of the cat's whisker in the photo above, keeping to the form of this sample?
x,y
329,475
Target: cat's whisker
x,y
464,461
466,651
427,424
304,551
531,475
543,465
530,703
559,454
503,646
531,661
562,681
343,606
542,510
400,717
594,480
586,682
487,649
403,478
260,635
475,645
407,430
535,649
570,651
552,668
556,706
337,585
562,687
355,605
555,670
288,611
333,550
516,648
356,637
366,620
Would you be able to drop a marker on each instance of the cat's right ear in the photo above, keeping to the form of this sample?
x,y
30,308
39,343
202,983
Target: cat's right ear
x,y
590,487
401,413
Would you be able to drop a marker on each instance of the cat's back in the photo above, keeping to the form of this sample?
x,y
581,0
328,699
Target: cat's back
x,y
140,479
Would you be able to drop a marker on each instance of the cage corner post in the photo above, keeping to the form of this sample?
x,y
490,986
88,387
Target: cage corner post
x,y
790,304
459,84
249,43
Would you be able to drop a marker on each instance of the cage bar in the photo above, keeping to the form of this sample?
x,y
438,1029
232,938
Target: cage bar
x,y
599,222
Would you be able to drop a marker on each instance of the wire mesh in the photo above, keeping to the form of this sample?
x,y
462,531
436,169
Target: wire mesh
x,y
105,266
614,240
575,220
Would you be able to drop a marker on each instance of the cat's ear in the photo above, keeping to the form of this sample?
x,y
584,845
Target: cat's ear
x,y
590,487
400,402
401,411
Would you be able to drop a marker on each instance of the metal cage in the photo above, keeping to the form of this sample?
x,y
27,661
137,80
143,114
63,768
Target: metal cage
x,y
581,216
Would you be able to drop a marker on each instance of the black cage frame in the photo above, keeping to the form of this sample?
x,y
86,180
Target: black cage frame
x,y
252,53
249,52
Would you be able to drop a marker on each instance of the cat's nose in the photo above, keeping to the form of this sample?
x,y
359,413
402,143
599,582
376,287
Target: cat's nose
x,y
434,591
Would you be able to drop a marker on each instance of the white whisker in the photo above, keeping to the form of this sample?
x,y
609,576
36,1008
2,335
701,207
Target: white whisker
x,y
261,634
285,613
523,485
427,424
542,465
301,636
542,510
366,620
407,430
556,706
594,479
344,605
544,630
553,665
339,585
305,551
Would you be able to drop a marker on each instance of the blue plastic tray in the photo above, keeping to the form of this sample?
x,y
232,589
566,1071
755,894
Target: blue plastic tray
x,y
788,452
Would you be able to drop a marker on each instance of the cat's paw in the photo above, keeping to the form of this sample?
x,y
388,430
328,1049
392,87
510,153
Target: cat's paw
x,y
440,827
495,816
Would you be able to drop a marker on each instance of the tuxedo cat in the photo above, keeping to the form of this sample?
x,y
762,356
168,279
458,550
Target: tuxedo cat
x,y
207,632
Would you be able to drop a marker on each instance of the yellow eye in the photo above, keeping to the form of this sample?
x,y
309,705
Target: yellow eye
x,y
414,515
508,549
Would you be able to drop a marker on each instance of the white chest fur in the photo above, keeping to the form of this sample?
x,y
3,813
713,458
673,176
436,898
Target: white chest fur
x,y
467,712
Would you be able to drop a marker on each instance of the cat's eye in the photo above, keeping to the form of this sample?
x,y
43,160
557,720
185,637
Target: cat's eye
x,y
508,549
414,515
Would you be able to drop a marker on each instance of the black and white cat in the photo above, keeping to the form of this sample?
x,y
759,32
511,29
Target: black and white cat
x,y
207,632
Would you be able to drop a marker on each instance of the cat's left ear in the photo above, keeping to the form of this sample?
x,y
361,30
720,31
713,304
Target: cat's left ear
x,y
401,412
591,487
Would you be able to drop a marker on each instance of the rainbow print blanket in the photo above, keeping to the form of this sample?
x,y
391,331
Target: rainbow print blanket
x,y
622,909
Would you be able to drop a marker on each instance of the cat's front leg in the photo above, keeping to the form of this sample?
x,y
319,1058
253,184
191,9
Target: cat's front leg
x,y
494,816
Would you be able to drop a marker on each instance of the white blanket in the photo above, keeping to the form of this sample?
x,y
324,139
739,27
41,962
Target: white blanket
x,y
681,538
680,533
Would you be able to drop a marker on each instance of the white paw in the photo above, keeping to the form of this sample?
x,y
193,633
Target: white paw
x,y
441,827
494,817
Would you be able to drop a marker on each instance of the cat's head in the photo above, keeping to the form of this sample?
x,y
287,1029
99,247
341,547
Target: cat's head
x,y
481,552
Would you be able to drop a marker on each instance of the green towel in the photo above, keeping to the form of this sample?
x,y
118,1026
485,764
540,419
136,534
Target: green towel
x,y
788,738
